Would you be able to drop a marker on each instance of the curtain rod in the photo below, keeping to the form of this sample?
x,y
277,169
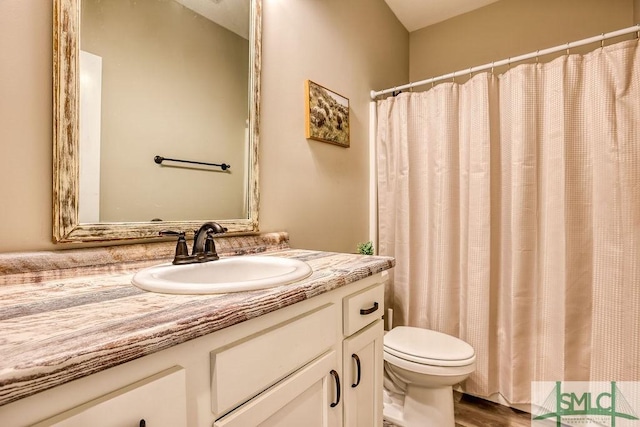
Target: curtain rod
x,y
600,38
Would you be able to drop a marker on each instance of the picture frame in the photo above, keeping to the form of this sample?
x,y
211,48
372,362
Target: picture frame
x,y
327,115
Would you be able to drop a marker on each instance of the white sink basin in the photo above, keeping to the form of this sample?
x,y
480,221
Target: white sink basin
x,y
234,274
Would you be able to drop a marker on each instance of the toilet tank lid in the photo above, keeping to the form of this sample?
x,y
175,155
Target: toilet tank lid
x,y
427,344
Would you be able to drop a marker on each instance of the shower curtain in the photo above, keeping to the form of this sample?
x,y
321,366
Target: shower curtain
x,y
512,206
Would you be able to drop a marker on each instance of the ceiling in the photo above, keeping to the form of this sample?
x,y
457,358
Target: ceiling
x,y
416,14
230,14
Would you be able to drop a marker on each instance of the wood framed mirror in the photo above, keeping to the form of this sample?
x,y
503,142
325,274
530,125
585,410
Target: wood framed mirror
x,y
163,196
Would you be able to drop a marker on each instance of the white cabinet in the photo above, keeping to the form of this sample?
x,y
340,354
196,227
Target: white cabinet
x,y
305,398
362,359
245,368
157,401
290,367
294,366
310,397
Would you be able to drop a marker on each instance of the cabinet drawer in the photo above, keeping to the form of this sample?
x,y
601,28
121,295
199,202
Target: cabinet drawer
x,y
160,400
363,308
302,399
243,369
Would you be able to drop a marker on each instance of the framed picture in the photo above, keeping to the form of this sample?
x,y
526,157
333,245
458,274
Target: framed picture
x,y
327,115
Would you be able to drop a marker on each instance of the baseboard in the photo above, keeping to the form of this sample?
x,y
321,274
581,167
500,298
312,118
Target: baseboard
x,y
499,399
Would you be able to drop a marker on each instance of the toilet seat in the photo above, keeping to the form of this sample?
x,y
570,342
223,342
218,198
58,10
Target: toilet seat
x,y
426,347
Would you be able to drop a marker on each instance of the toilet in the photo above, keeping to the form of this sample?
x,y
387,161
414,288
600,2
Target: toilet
x,y
420,369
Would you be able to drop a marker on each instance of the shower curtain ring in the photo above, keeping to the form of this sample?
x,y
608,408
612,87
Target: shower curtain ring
x,y
568,46
471,72
492,64
602,41
537,57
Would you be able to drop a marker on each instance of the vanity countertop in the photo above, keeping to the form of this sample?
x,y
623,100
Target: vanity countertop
x,y
61,320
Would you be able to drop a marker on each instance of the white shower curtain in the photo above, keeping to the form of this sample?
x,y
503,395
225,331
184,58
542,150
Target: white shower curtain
x,y
512,206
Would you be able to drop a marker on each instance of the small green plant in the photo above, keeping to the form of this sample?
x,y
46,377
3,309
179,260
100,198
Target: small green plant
x,y
365,248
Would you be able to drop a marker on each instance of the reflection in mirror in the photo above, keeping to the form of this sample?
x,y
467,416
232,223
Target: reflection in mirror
x,y
162,80
171,78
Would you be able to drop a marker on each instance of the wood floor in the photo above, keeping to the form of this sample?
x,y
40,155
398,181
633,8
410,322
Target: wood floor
x,y
475,412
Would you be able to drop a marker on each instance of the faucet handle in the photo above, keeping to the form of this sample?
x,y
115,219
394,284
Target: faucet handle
x,y
210,247
182,252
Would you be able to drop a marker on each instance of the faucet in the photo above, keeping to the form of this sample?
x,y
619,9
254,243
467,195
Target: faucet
x,y
203,244
204,248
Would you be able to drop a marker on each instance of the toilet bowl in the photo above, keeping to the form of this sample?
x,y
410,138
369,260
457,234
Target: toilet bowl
x,y
421,367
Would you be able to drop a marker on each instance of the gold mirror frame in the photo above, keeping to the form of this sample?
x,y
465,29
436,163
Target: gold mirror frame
x,y
66,226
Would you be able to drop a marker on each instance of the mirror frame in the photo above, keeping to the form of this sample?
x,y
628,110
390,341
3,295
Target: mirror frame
x,y
66,78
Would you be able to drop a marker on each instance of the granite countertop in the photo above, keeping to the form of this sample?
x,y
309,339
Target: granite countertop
x,y
65,315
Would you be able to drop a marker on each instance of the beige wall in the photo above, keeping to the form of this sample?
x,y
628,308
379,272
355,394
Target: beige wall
x,y
25,125
510,28
316,191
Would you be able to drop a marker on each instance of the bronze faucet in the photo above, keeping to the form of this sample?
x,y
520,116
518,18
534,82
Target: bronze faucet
x,y
204,248
203,244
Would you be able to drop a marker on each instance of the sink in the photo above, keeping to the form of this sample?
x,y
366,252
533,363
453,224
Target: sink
x,y
233,274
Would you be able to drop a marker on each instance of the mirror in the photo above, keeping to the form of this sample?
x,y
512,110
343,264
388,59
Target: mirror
x,y
149,79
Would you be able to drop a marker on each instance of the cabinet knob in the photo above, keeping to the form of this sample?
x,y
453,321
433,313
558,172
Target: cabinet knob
x,y
336,378
357,359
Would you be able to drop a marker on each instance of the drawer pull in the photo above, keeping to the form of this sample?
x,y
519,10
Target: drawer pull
x,y
336,378
357,359
365,311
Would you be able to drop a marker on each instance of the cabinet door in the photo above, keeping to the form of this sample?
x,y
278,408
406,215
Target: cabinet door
x,y
159,400
241,370
303,399
362,359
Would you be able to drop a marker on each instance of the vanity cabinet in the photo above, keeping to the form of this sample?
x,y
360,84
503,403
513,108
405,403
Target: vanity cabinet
x,y
317,394
362,357
300,350
290,367
157,401
242,369
309,398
